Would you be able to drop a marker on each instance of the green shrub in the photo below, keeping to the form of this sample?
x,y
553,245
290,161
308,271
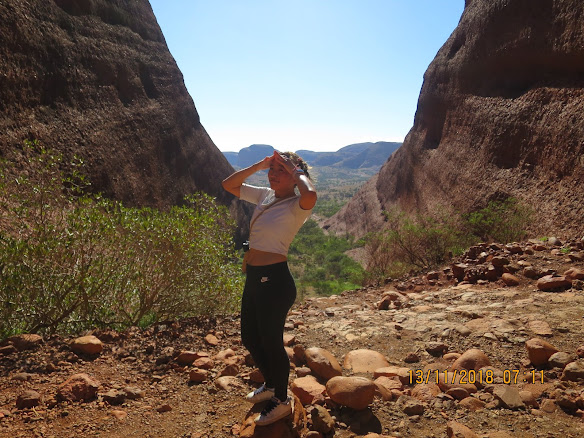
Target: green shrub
x,y
71,261
500,221
319,263
410,243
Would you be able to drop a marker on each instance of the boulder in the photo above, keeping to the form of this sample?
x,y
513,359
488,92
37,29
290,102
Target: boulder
x,y
364,361
307,389
322,363
539,351
353,392
551,282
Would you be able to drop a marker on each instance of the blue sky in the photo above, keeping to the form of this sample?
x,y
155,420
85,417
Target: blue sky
x,y
305,74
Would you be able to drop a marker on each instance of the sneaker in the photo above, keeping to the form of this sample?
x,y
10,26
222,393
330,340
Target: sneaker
x,y
261,394
274,411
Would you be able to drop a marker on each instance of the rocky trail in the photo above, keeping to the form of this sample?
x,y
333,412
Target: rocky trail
x,y
490,346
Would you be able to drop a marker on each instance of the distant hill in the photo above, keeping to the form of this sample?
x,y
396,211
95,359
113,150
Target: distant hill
x,y
355,156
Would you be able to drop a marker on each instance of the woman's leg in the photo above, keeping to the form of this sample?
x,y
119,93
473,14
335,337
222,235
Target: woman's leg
x,y
250,331
276,295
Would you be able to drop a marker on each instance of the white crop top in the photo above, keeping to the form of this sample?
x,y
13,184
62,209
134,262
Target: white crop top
x,y
275,229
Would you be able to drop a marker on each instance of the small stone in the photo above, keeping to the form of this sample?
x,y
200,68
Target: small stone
x,y
79,387
458,430
548,406
164,408
472,404
510,279
186,357
561,359
508,396
473,359
119,415
28,399
539,351
436,349
574,371
134,393
412,406
198,375
87,345
228,383
211,340
307,389
114,397
321,420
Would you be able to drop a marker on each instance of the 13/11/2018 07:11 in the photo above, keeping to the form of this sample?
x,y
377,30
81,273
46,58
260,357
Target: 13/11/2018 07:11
x,y
484,377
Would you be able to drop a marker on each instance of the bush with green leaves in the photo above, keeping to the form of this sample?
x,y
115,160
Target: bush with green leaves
x,y
500,221
71,261
319,263
411,243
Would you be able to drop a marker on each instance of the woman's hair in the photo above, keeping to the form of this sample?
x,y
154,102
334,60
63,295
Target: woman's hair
x,y
298,162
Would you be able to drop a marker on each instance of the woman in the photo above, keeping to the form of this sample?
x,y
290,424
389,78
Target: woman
x,y
270,291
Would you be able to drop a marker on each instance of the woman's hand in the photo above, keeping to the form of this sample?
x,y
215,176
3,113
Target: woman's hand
x,y
284,161
265,163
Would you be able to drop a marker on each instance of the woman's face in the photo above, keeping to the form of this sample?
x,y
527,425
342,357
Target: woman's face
x,y
280,179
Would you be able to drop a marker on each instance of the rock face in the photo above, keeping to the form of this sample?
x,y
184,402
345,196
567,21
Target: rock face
x,y
499,115
96,79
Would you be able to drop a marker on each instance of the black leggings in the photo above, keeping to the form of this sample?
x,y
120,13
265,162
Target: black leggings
x,y
268,295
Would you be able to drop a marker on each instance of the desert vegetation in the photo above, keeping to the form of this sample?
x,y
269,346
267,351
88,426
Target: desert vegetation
x,y
71,260
411,243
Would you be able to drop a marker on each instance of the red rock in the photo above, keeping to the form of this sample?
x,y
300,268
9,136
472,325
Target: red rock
x,y
539,351
205,363
28,399
211,340
473,359
457,430
353,392
198,375
385,385
472,404
307,389
574,274
550,282
322,363
223,355
364,361
402,373
187,357
119,415
426,391
79,387
228,383
510,279
87,345
25,341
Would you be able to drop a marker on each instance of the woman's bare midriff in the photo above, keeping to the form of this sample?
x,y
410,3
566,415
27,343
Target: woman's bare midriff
x,y
255,257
